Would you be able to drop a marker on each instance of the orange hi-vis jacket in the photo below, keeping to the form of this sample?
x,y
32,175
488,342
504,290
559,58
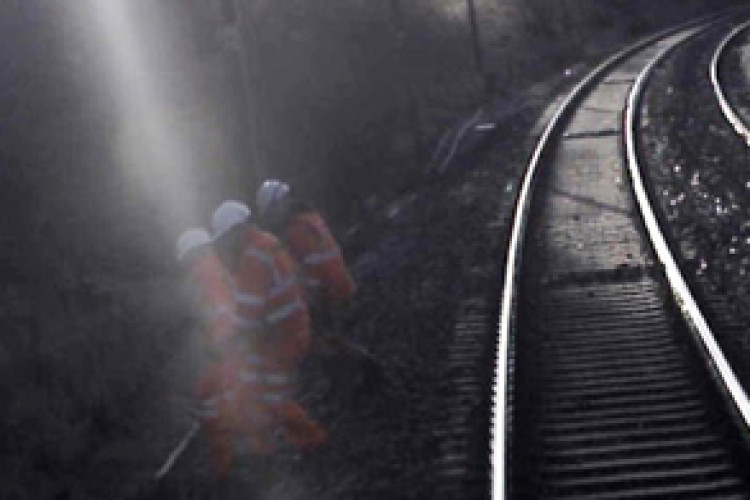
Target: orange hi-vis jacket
x,y
272,315
268,402
209,274
218,386
271,308
324,271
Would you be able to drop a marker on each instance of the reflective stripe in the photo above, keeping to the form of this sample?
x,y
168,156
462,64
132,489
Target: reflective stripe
x,y
320,257
248,376
249,299
260,255
248,324
267,259
276,379
211,412
254,359
216,312
209,407
282,287
222,347
284,312
272,398
311,282
212,401
234,343
222,309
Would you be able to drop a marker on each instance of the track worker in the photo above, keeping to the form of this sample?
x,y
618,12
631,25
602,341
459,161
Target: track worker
x,y
308,238
321,267
219,379
273,319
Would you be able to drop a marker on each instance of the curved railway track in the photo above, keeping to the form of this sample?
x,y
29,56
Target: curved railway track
x,y
609,381
686,130
729,111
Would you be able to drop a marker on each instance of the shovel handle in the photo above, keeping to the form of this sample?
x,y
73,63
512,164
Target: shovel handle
x,y
177,452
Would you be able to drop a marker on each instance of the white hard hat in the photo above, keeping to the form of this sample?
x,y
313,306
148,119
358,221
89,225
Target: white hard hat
x,y
269,193
229,214
190,240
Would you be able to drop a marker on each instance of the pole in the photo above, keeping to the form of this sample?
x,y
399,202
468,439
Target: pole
x,y
177,452
476,43
476,48
252,110
411,95
234,22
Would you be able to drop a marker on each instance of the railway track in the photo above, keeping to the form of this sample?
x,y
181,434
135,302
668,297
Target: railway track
x,y
618,387
729,111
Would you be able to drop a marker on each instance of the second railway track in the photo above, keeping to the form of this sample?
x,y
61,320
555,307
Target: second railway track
x,y
615,393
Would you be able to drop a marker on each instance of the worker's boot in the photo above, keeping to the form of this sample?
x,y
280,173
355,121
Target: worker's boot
x,y
260,443
300,429
221,450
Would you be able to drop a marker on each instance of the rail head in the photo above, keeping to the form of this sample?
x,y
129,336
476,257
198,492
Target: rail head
x,y
499,435
739,126
716,360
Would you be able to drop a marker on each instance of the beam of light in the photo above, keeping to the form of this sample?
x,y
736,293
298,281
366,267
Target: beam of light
x,y
156,158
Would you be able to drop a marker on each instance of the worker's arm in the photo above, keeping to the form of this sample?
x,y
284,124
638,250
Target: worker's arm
x,y
313,244
254,279
218,304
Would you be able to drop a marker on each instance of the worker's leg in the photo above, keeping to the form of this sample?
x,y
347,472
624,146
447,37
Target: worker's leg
x,y
254,419
216,418
221,446
297,427
301,430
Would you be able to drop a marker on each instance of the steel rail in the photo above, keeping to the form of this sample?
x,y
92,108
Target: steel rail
x,y
499,431
689,308
727,110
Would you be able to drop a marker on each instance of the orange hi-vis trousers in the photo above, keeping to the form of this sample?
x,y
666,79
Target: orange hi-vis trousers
x,y
269,407
252,401
218,415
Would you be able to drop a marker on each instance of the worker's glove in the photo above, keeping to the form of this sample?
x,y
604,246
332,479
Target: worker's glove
x,y
217,388
207,408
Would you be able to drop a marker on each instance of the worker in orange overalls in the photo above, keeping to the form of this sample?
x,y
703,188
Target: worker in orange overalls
x,y
218,384
306,234
321,266
273,319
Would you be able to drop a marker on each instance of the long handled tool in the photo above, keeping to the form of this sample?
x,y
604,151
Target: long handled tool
x,y
178,451
372,369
